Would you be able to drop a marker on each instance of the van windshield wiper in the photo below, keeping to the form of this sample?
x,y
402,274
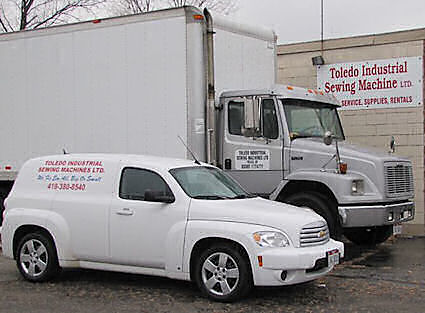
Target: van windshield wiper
x,y
209,197
215,197
242,197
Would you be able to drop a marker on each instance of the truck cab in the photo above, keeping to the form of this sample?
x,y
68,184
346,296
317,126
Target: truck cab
x,y
288,144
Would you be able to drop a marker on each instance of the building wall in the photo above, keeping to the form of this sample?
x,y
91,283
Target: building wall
x,y
372,127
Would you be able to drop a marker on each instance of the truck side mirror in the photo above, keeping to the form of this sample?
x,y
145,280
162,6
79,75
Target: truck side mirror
x,y
327,138
392,145
252,118
158,196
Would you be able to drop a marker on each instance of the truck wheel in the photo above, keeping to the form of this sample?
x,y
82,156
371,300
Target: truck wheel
x,y
368,235
319,205
223,274
36,258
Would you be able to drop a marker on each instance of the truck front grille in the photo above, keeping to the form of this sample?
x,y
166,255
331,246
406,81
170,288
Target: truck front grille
x,y
314,234
398,179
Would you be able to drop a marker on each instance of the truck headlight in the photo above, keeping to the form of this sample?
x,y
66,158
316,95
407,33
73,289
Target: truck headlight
x,y
270,239
357,187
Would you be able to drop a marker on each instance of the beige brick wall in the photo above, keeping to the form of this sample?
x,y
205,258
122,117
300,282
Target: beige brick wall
x,y
372,127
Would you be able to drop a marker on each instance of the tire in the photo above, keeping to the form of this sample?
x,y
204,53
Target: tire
x,y
36,258
223,274
321,206
368,235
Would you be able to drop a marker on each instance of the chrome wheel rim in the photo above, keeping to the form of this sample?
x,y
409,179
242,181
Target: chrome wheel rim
x,y
33,258
220,274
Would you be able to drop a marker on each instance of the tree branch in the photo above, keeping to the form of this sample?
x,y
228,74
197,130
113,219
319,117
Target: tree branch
x,y
3,25
51,17
39,5
69,6
29,4
6,21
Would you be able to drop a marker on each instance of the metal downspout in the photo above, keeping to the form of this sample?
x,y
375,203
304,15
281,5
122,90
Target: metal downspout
x,y
210,109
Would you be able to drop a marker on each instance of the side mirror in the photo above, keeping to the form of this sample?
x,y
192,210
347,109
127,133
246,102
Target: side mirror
x,y
158,196
392,145
327,138
252,118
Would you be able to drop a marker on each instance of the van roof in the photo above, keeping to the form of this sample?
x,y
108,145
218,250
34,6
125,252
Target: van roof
x,y
165,163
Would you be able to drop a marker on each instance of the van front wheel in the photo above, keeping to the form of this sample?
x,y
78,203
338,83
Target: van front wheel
x,y
36,258
223,274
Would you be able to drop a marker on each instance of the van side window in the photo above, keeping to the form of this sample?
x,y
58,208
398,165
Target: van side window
x,y
135,181
269,119
236,117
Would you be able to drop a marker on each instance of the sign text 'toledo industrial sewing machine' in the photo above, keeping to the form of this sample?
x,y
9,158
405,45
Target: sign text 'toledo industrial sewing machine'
x,y
374,84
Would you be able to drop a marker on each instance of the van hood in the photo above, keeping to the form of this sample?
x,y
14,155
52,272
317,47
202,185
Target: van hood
x,y
287,218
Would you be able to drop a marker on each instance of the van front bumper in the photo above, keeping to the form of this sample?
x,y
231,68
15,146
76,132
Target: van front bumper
x,y
376,215
298,264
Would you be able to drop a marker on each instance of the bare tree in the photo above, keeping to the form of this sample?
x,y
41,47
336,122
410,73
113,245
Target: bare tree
x,y
222,6
31,14
122,7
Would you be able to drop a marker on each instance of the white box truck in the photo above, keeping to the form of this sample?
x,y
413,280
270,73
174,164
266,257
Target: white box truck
x,y
134,84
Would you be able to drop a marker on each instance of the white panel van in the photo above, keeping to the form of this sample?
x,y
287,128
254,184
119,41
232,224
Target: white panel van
x,y
159,216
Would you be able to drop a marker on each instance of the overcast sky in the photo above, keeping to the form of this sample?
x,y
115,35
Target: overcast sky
x,y
299,20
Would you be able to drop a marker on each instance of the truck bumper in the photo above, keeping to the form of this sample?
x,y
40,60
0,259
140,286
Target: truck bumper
x,y
376,215
298,264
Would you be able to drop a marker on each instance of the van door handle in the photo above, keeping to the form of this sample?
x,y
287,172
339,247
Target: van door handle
x,y
125,211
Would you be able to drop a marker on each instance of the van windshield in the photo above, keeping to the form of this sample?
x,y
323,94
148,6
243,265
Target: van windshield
x,y
311,119
208,183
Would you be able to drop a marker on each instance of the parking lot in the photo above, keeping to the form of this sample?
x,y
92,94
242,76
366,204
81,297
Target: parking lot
x,y
388,278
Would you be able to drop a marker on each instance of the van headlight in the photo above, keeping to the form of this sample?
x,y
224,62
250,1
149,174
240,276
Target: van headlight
x,y
357,187
270,239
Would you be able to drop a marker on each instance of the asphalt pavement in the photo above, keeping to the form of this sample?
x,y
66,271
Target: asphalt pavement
x,y
387,278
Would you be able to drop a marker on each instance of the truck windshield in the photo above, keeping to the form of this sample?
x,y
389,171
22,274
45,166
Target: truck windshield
x,y
311,119
208,183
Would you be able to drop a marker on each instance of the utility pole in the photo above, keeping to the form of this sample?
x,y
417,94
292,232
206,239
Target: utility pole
x,y
321,24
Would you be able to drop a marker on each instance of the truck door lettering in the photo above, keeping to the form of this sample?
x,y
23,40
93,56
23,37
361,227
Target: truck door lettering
x,y
252,159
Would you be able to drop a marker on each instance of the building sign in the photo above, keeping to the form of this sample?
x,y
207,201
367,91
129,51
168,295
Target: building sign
x,y
252,159
374,84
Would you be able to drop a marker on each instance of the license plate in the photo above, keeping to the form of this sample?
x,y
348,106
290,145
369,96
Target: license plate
x,y
333,257
397,228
